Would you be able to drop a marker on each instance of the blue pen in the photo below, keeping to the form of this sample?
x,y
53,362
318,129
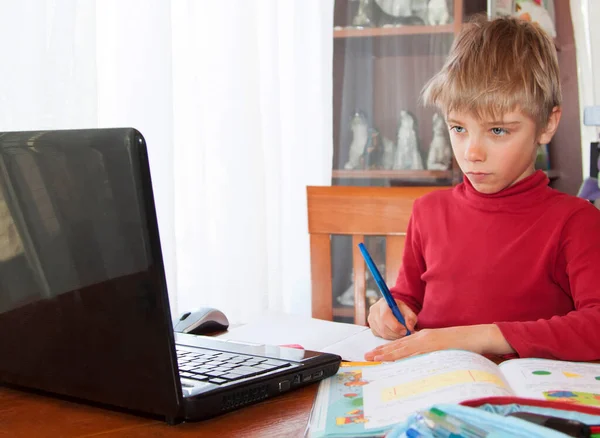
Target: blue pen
x,y
413,433
382,286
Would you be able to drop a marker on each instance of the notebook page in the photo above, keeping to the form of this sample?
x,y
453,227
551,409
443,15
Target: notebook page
x,y
282,329
354,347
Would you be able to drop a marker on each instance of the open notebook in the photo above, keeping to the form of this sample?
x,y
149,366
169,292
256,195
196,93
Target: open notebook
x,y
367,401
349,341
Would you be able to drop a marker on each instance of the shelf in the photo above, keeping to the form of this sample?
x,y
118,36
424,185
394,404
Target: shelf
x,y
344,312
392,174
352,32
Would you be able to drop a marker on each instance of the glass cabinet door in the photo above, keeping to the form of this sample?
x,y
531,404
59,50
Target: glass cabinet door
x,y
385,51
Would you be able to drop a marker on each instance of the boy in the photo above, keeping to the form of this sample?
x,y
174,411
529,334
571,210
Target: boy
x,y
501,263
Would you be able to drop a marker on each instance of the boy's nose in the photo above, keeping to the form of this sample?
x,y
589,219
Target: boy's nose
x,y
474,152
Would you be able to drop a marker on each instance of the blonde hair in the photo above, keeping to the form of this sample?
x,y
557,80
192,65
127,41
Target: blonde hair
x,y
495,67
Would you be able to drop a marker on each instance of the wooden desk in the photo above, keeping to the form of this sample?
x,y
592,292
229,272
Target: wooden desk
x,y
25,415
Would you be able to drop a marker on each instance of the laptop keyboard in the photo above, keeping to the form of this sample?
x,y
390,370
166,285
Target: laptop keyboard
x,y
220,367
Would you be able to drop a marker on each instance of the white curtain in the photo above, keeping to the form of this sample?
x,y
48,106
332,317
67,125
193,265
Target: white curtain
x,y
234,99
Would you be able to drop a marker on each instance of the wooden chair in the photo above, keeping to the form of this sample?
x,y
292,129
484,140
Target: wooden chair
x,y
359,212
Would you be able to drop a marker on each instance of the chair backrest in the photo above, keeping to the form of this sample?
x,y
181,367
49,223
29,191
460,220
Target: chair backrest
x,y
358,212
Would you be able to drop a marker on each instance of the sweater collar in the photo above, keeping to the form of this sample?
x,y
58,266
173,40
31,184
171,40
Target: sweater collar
x,y
525,193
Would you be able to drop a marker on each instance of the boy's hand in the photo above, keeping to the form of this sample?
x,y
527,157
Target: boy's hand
x,y
384,324
482,339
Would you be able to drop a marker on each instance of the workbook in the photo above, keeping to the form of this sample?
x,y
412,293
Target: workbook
x,y
368,400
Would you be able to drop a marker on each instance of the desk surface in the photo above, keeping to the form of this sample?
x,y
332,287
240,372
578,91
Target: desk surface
x,y
30,415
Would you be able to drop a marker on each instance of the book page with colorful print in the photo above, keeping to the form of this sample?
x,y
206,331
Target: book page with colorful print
x,y
570,382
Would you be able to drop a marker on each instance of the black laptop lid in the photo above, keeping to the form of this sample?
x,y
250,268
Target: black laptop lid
x,y
83,304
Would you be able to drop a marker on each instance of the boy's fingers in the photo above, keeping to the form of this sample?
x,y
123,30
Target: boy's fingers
x,y
391,335
409,316
376,318
411,323
384,324
377,351
375,330
380,328
393,328
374,323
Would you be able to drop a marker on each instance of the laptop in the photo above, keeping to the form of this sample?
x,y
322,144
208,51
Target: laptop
x,y
84,309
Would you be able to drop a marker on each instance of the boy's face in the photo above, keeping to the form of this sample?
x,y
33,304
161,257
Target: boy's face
x,y
495,154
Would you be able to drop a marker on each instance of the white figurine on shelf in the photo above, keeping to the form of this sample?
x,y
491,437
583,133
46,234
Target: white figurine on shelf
x,y
437,12
392,13
347,297
440,151
419,9
389,148
362,18
407,148
360,136
531,11
395,8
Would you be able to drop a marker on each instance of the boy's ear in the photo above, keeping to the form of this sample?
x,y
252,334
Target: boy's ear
x,y
551,127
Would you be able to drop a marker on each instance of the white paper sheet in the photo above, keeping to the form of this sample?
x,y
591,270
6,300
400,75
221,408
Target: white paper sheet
x,y
280,329
354,347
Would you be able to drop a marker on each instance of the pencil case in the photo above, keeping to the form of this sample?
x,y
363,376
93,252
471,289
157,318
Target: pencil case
x,y
490,415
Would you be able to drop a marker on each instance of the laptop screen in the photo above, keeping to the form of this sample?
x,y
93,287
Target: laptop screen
x,y
82,288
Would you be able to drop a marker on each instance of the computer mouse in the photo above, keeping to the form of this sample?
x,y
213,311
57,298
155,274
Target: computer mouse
x,y
201,321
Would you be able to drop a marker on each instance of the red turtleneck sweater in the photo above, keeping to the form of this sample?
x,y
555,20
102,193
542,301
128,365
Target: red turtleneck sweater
x,y
526,258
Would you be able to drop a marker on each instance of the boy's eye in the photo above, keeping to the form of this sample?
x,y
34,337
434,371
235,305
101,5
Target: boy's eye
x,y
499,131
457,129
